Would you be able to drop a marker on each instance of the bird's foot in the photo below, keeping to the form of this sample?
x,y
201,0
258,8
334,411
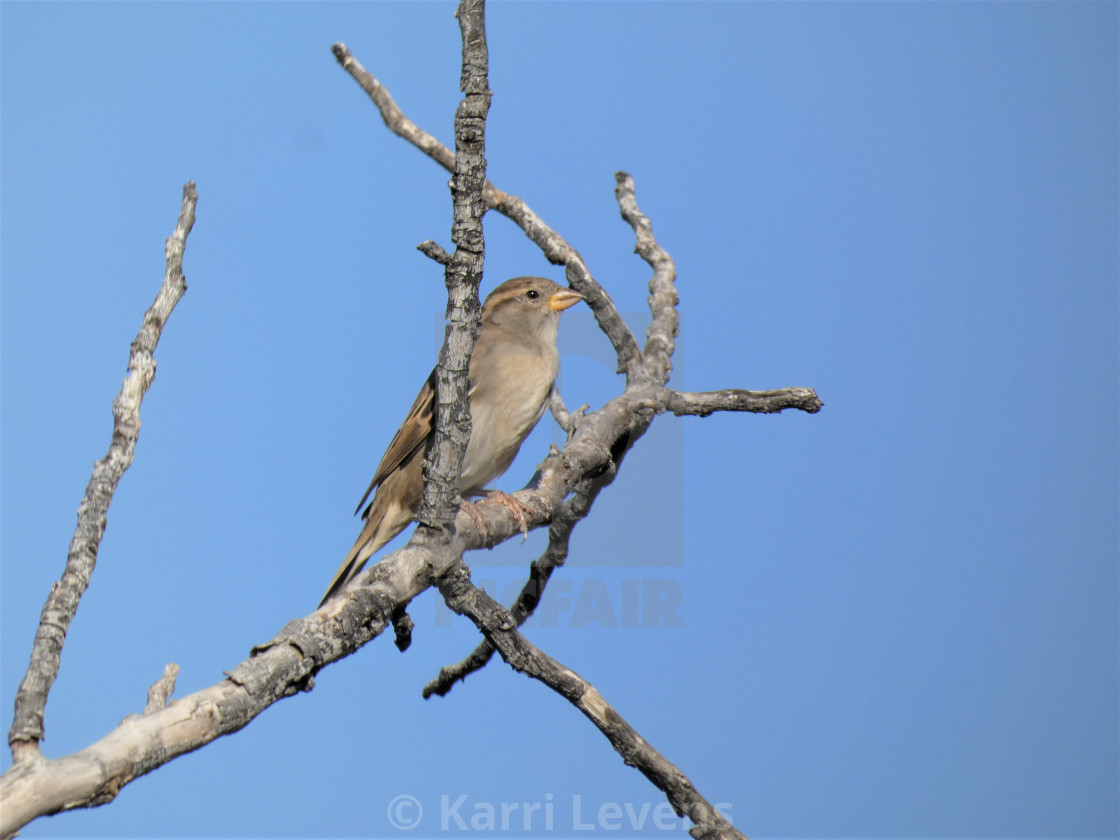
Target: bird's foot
x,y
479,520
515,507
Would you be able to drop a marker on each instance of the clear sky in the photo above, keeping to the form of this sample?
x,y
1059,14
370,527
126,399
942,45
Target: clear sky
x,y
898,617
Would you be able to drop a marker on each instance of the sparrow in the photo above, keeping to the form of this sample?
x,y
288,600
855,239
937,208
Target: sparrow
x,y
512,369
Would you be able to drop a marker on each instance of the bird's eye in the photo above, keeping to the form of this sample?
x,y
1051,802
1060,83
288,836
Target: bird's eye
x,y
532,294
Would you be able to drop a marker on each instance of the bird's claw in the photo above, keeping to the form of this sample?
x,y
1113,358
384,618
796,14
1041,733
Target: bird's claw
x,y
479,520
516,508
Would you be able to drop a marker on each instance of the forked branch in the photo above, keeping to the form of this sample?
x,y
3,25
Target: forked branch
x,y
497,626
645,395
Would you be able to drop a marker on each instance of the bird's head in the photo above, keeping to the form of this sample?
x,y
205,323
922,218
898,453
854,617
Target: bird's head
x,y
528,305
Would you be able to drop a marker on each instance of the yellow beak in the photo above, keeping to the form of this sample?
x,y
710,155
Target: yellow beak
x,y
562,299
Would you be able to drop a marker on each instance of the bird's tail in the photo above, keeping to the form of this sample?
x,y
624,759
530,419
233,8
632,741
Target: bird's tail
x,y
367,543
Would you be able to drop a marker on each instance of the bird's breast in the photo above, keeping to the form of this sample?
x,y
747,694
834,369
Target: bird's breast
x,y
507,401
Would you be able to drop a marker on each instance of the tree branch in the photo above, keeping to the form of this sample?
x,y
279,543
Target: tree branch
x,y
498,626
443,460
161,689
280,668
656,364
555,247
566,420
759,402
287,664
58,611
658,353
393,117
540,571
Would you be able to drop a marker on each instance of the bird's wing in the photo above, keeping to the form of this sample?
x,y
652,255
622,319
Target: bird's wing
x,y
410,436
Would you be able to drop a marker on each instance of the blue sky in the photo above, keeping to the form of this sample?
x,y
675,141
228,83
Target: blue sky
x,y
896,618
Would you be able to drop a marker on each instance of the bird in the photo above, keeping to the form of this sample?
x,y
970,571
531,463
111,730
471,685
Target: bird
x,y
512,371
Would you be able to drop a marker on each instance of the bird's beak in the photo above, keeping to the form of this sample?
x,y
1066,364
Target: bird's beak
x,y
562,299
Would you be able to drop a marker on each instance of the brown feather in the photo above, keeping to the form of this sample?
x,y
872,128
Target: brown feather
x,y
512,370
412,435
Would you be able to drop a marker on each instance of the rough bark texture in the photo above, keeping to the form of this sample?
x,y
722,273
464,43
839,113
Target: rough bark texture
x,y
27,724
286,664
462,274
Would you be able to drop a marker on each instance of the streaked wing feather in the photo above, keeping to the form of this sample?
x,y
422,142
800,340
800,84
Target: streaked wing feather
x,y
412,434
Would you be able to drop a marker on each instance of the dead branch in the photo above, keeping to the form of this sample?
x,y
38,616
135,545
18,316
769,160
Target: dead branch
x,y
443,460
647,371
662,331
58,611
498,626
162,689
287,664
540,571
758,402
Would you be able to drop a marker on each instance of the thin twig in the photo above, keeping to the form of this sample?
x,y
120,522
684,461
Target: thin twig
x,y
58,611
657,354
394,118
704,403
162,688
434,251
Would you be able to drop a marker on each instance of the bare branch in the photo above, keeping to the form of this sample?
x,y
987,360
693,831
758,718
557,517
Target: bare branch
x,y
559,411
287,664
394,118
760,402
58,611
540,571
658,353
499,628
566,420
280,668
554,246
162,688
434,250
579,505
443,460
